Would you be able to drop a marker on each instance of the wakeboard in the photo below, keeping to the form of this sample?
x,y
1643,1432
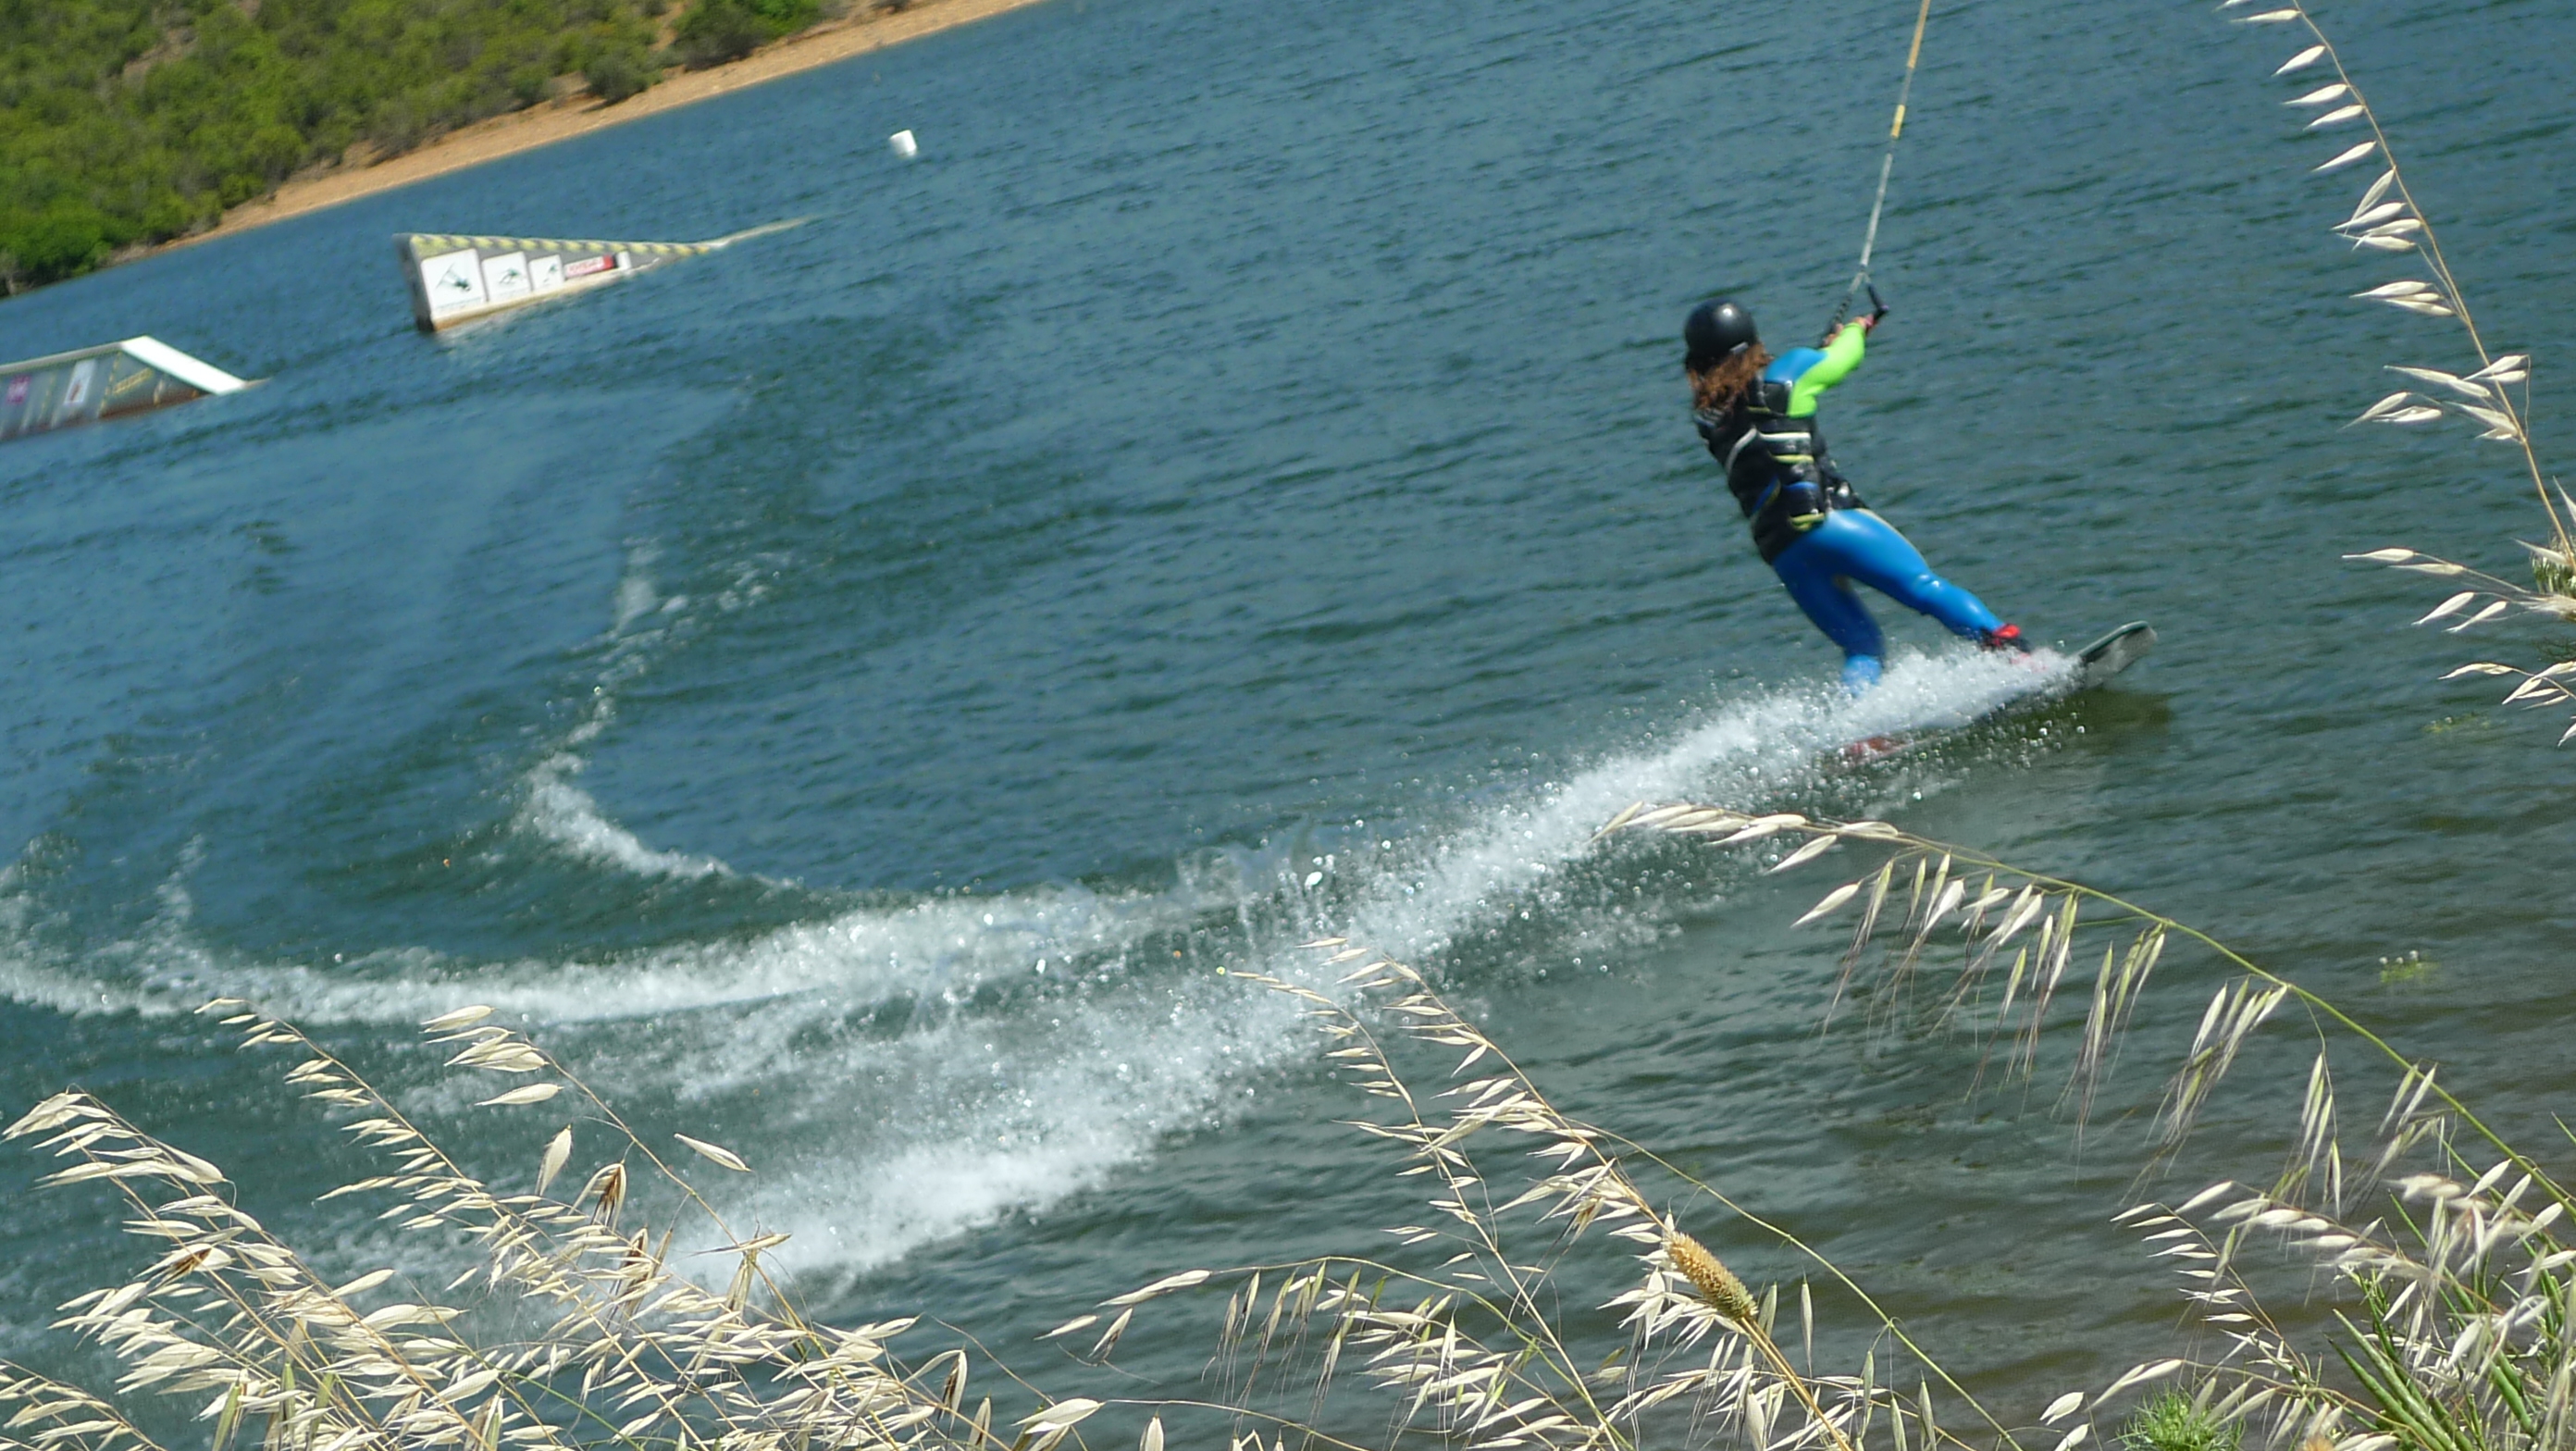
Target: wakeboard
x,y
2095,665
2113,653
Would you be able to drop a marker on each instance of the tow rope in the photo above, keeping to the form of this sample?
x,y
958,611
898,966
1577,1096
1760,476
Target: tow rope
x,y
1886,168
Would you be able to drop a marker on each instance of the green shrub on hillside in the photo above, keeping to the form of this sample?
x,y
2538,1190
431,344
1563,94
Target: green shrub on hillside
x,y
133,121
619,66
716,31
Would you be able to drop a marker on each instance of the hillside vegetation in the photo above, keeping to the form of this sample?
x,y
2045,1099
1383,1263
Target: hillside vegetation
x,y
127,122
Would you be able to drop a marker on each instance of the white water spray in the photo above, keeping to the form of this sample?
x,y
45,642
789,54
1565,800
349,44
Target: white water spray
x,y
912,1070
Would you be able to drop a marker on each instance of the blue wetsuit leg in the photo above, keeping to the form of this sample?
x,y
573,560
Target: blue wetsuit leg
x,y
1856,544
1816,582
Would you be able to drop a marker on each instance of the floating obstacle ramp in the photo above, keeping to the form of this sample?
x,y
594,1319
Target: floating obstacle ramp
x,y
107,381
457,279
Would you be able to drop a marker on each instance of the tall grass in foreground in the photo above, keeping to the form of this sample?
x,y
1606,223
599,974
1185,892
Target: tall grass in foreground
x,y
2386,219
1483,1327
570,1328
2454,1328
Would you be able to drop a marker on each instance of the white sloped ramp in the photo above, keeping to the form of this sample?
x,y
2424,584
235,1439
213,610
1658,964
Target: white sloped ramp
x,y
112,379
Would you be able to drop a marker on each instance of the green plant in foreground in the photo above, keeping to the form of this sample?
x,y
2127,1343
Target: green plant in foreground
x,y
2173,1421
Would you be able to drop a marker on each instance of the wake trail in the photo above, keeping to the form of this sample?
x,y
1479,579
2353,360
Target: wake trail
x,y
903,1071
1744,754
552,805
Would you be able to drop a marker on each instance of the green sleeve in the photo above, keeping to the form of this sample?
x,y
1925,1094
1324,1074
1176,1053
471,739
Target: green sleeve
x,y
1841,356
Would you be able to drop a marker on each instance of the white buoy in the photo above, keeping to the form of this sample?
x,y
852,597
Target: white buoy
x,y
902,145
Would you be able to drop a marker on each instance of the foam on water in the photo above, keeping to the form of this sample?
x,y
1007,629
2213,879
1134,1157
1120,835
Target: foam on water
x,y
1745,754
942,948
903,1071
552,805
875,1151
555,808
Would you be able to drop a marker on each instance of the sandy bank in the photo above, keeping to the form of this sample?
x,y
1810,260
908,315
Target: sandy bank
x,y
544,124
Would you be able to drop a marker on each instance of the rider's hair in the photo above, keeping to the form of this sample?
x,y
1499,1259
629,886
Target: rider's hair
x,y
1715,389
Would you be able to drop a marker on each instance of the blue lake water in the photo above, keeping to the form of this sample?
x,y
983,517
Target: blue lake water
x,y
852,695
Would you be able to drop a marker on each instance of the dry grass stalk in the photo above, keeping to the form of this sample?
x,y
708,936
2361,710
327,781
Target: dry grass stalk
x,y
1992,906
611,1346
2459,1331
2455,1333
2461,1308
2460,1322
2494,397
2386,219
1463,1335
51,1415
603,1344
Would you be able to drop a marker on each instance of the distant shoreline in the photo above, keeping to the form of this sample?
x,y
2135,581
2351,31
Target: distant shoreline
x,y
547,123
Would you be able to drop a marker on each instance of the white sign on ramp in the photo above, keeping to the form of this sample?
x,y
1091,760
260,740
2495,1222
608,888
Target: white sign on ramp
x,y
505,278
452,283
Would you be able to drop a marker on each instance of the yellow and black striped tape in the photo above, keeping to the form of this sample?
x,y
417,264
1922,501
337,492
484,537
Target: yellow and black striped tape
x,y
427,244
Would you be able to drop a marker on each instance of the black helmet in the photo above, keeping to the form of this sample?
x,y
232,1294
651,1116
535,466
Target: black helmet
x,y
1716,331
